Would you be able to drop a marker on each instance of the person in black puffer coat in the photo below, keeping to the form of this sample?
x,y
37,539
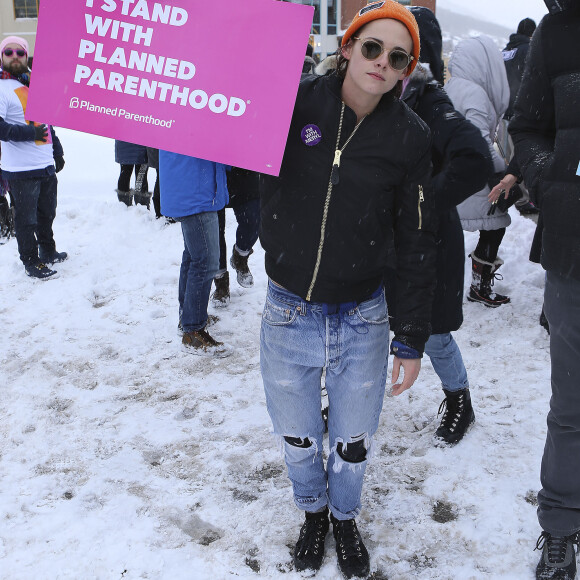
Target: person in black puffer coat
x,y
461,165
514,56
546,134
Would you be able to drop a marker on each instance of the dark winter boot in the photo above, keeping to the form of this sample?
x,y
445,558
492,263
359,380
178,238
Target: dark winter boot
x,y
483,277
458,416
125,196
558,561
52,256
40,271
6,218
143,198
353,558
309,549
221,297
240,264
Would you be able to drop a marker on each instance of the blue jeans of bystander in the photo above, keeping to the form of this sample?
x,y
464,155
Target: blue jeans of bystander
x,y
198,267
447,361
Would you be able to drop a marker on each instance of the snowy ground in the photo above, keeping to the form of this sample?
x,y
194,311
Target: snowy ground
x,y
122,457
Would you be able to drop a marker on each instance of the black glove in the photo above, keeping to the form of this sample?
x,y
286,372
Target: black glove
x,y
59,163
41,133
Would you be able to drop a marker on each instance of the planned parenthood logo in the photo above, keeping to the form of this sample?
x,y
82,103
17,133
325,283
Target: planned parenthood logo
x,y
81,104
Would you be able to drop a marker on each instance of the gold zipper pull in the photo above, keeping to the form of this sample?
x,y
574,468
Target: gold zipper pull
x,y
421,196
334,178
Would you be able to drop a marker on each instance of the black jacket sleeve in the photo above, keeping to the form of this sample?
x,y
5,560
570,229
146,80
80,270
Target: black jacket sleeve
x,y
57,150
461,158
11,132
533,125
415,226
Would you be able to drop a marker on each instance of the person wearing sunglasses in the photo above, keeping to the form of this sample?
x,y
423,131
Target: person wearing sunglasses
x,y
354,192
30,152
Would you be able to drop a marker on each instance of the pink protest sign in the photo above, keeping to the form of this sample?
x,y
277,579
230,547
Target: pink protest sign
x,y
215,80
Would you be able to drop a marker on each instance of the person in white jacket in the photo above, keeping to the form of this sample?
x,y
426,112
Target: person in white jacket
x,y
480,91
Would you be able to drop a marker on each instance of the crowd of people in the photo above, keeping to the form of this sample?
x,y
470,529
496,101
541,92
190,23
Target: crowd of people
x,y
363,236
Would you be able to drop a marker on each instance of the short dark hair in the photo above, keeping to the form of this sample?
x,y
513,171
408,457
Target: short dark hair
x,y
527,27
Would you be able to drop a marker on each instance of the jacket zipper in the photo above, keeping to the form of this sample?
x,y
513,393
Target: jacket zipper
x,y
421,200
334,179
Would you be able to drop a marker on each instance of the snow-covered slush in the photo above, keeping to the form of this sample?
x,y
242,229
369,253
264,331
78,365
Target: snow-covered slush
x,y
122,457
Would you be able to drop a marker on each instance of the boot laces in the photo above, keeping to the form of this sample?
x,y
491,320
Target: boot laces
x,y
207,339
452,415
312,534
557,546
349,540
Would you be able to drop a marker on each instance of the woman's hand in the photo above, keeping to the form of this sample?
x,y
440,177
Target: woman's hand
x,y
411,368
503,186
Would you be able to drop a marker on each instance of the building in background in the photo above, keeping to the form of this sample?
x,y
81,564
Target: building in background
x,y
332,18
19,18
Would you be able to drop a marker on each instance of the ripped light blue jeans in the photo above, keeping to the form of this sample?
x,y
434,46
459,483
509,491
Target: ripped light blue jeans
x,y
298,341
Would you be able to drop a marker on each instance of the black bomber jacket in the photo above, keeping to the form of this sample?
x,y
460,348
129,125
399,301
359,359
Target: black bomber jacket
x,y
330,242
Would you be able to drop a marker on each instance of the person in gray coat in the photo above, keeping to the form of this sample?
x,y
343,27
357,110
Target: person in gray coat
x,y
480,91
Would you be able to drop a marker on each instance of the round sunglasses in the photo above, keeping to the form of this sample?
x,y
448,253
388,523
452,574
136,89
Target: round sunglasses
x,y
372,49
19,52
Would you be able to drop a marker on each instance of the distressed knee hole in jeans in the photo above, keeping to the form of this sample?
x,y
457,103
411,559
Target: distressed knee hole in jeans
x,y
299,449
355,453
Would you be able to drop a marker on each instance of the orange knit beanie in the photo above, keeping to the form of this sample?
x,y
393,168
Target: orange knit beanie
x,y
387,9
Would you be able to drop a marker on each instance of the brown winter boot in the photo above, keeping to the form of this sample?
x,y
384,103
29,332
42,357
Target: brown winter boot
x,y
483,277
221,297
200,342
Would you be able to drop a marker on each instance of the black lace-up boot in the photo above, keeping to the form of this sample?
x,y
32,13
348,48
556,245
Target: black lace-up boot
x,y
353,558
558,561
309,550
458,416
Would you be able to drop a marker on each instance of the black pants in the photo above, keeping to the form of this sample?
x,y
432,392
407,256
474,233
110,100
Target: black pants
x,y
157,197
124,183
34,201
248,217
488,244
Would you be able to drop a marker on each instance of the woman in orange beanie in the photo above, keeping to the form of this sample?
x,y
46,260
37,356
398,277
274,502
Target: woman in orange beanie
x,y
353,188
